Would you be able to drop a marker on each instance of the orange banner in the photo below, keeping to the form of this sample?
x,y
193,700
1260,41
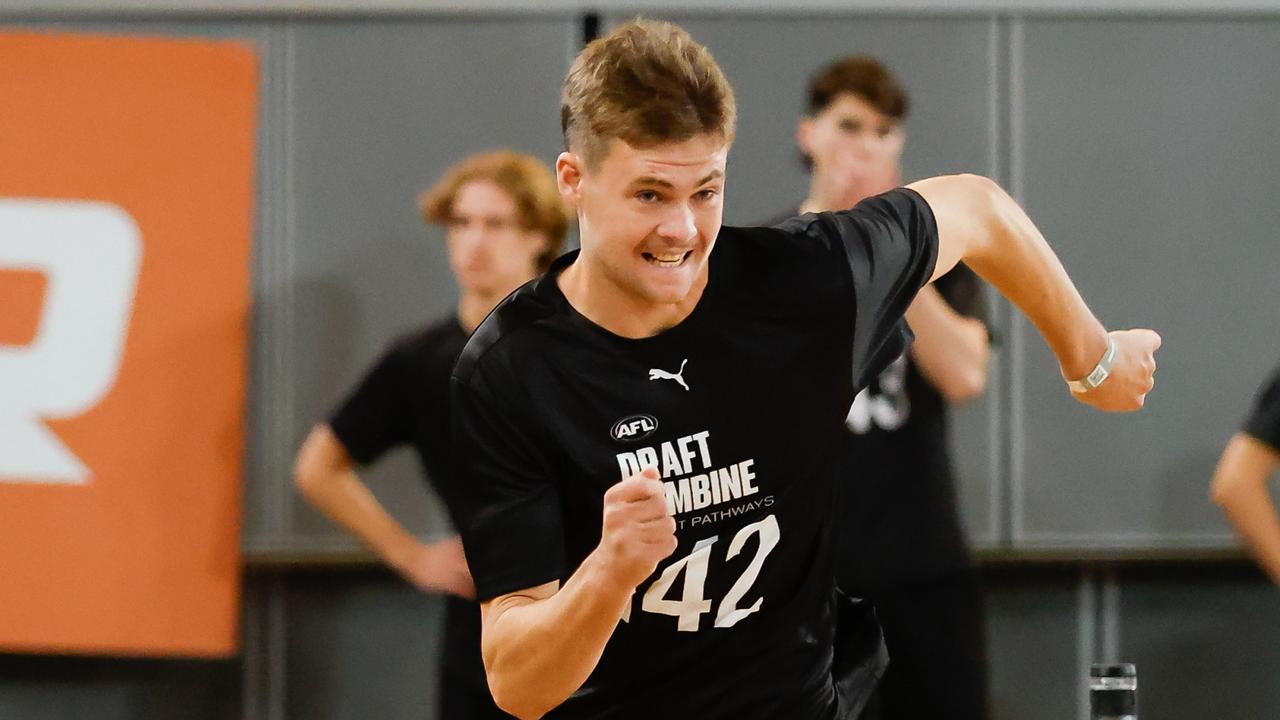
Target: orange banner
x,y
126,201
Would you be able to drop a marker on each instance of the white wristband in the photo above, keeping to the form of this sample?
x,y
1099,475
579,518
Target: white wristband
x,y
1100,372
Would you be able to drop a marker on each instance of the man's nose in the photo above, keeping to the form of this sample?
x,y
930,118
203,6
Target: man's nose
x,y
867,145
678,224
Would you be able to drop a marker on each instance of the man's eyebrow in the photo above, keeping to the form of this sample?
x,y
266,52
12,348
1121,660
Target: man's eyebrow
x,y
650,180
659,182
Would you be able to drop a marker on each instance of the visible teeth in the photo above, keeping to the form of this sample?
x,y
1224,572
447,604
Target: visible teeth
x,y
665,259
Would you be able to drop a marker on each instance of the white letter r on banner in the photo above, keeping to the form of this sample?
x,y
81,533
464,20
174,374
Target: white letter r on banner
x,y
89,253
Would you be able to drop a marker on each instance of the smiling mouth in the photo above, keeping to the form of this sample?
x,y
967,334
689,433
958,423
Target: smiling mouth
x,y
666,259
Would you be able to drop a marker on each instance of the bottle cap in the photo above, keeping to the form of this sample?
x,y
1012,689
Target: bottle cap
x,y
1113,670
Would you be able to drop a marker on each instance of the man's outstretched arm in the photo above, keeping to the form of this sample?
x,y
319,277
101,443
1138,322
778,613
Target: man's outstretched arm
x,y
979,223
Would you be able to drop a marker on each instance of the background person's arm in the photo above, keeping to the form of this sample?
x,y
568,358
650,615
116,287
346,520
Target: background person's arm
x,y
980,224
325,476
1240,488
951,350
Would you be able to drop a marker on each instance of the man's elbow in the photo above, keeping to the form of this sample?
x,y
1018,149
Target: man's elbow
x,y
511,690
985,200
1222,490
513,699
978,192
309,470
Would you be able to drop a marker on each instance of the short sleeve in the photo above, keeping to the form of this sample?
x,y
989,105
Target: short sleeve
x,y
1264,420
504,501
891,242
963,291
376,416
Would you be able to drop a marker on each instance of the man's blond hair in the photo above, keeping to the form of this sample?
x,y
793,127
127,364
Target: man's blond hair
x,y
645,83
530,184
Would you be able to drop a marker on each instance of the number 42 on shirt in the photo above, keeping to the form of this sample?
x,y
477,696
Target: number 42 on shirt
x,y
693,603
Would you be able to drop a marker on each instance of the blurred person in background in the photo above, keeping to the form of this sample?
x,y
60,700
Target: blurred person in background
x,y
901,544
1240,482
504,222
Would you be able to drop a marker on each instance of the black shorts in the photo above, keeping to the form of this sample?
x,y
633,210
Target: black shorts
x,y
937,651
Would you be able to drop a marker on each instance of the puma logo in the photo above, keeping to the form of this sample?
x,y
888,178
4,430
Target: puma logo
x,y
659,374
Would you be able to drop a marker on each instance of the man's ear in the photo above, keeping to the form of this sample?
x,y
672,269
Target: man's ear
x,y
899,141
804,135
569,169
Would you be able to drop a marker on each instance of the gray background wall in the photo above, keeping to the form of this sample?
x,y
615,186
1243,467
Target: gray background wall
x,y
1140,136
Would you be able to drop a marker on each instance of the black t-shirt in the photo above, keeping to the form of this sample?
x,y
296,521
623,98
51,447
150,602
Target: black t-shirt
x,y
740,407
1264,420
899,519
404,400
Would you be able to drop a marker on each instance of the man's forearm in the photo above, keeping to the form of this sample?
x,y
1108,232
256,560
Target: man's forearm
x,y
538,651
326,477
346,500
992,235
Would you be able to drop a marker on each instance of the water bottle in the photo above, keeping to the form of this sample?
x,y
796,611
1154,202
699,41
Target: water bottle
x,y
1113,691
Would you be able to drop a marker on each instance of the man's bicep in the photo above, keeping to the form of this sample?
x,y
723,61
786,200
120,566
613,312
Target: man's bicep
x,y
959,204
1254,455
323,452
1246,460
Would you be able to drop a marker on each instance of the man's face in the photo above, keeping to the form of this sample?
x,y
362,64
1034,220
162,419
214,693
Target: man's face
x,y
649,216
488,250
852,143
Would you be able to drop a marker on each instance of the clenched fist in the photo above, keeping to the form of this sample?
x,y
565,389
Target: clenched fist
x,y
1132,373
638,532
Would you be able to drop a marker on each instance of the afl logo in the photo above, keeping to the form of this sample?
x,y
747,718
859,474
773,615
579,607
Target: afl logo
x,y
636,427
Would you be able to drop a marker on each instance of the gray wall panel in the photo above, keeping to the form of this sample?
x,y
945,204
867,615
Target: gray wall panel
x,y
1151,160
949,67
361,645
1032,631
943,63
22,8
1207,644
267,456
373,120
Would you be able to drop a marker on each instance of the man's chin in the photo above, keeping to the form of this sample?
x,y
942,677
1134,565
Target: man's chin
x,y
480,283
670,292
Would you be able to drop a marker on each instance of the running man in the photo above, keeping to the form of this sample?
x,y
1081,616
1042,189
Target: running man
x,y
642,550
